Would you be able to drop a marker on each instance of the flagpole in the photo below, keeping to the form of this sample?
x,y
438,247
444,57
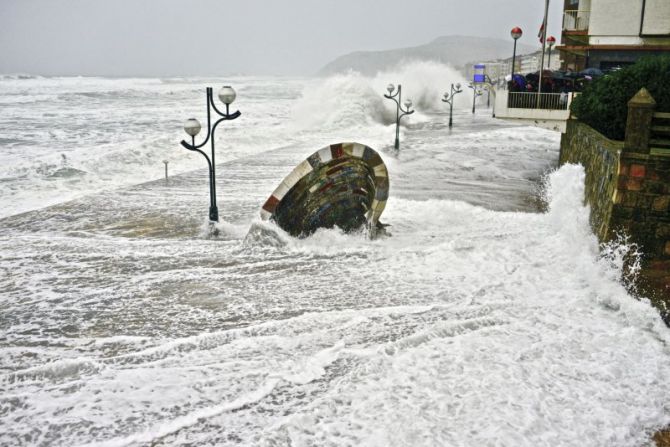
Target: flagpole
x,y
544,39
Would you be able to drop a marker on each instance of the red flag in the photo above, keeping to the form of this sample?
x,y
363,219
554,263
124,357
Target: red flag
x,y
542,34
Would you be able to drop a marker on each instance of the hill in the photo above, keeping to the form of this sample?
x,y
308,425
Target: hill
x,y
454,50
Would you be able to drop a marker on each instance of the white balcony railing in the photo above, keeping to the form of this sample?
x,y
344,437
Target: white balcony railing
x,y
552,114
576,20
547,101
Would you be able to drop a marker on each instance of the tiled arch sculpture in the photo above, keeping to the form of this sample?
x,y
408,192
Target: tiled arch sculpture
x,y
344,185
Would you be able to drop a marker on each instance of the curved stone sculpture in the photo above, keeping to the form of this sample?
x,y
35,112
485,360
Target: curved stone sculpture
x,y
344,185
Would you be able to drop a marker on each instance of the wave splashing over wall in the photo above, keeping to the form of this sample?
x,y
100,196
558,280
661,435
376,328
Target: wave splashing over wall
x,y
354,100
477,323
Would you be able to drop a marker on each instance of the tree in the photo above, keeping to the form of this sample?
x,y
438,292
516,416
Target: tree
x,y
603,104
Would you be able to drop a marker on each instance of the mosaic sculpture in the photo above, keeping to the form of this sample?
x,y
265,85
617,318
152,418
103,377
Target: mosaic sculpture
x,y
344,185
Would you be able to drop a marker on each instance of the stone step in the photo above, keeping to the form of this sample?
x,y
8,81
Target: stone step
x,y
660,129
659,143
659,151
662,115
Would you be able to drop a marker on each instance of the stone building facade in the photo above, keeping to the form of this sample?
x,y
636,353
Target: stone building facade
x,y
606,34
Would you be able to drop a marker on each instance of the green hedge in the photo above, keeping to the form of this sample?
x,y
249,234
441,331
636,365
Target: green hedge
x,y
603,104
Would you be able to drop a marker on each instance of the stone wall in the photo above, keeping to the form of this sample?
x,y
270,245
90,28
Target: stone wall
x,y
642,210
628,190
580,144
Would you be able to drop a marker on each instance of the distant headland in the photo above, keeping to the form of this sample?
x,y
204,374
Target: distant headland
x,y
453,50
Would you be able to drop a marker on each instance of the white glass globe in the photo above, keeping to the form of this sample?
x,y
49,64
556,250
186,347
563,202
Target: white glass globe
x,y
390,88
227,95
192,127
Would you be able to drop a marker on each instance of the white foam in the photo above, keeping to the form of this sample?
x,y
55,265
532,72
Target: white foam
x,y
467,326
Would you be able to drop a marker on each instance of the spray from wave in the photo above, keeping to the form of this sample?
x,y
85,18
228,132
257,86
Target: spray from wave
x,y
346,100
611,268
424,82
620,259
354,100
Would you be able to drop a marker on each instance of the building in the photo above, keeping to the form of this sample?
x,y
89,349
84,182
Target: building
x,y
606,34
602,34
525,63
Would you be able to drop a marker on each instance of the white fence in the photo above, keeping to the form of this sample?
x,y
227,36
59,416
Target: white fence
x,y
546,101
552,113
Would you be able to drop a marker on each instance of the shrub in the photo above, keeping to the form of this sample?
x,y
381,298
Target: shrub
x,y
603,104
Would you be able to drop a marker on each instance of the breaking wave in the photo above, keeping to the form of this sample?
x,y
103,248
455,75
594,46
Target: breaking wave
x,y
354,100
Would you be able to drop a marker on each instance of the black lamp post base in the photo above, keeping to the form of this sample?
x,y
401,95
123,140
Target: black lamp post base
x,y
213,214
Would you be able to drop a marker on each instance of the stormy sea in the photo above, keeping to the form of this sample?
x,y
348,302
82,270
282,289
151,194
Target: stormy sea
x,y
488,315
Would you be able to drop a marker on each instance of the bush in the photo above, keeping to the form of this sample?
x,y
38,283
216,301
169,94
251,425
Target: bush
x,y
603,104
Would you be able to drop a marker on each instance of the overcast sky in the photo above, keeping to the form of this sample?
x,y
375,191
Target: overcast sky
x,y
219,37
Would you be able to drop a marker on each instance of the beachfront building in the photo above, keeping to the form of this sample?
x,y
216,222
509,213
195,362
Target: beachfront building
x,y
496,70
596,34
530,63
548,109
606,34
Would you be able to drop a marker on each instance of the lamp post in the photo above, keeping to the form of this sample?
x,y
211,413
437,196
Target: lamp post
x,y
449,99
515,33
551,41
397,98
490,86
475,92
543,40
192,128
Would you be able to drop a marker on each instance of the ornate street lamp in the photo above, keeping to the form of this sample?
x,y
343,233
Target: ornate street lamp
x,y
476,91
192,128
551,41
515,33
396,97
449,98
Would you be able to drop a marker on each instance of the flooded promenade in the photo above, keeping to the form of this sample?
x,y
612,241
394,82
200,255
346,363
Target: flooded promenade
x,y
488,315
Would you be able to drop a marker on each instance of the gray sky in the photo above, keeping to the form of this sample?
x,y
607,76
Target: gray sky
x,y
215,37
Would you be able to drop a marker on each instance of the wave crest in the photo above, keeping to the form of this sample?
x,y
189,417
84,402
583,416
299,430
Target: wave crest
x,y
354,100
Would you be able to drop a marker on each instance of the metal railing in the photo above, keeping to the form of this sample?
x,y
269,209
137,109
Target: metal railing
x,y
576,20
528,100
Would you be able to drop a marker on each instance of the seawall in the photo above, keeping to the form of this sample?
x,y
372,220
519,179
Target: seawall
x,y
629,194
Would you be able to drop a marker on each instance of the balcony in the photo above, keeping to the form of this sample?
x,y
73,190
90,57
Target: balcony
x,y
546,101
550,112
576,20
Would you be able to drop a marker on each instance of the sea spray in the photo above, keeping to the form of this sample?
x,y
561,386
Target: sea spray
x,y
563,192
222,230
624,259
352,99
466,314
425,82
611,268
346,100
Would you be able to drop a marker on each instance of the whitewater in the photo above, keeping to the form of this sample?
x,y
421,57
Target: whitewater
x,y
489,316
